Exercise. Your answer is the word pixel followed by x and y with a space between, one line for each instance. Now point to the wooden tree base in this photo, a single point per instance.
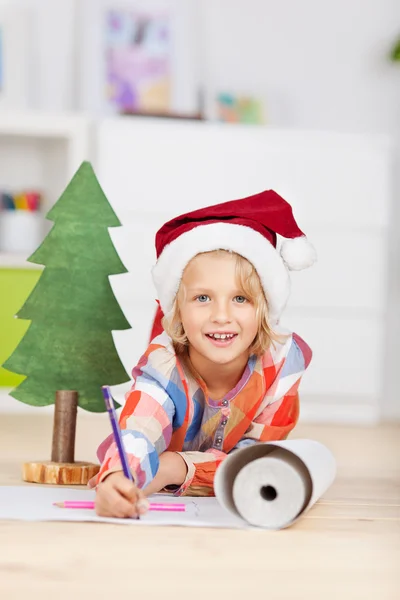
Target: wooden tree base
pixel 77 473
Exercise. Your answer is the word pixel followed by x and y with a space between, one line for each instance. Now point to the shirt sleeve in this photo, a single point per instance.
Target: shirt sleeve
pixel 146 423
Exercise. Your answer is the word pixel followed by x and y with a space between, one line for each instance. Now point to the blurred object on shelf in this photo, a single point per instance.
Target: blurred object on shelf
pixel 138 60
pixel 198 115
pixel 395 51
pixel 239 109
pixel 161 115
pixel 20 221
pixel 29 200
pixel 15 48
pixel 139 57
pixel 20 231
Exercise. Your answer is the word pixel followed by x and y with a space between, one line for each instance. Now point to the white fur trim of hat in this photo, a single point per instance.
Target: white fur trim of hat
pixel 297 253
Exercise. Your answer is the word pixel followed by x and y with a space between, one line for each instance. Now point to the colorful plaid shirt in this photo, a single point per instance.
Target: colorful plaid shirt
pixel 167 409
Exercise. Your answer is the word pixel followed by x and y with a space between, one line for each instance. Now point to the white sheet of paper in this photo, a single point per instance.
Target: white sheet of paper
pixel 31 503
pixel 297 487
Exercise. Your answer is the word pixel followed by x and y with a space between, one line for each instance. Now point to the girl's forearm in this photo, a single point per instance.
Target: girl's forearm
pixel 172 471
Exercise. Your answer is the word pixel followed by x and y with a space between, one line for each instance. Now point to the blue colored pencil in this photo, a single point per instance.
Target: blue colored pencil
pixel 108 399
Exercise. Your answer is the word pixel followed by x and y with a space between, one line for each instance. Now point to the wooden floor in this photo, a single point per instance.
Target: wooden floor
pixel 347 547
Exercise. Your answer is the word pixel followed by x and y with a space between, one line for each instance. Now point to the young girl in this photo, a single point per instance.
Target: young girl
pixel 220 373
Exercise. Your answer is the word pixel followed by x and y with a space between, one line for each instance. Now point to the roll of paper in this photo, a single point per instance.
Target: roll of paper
pixel 272 491
pixel 272 484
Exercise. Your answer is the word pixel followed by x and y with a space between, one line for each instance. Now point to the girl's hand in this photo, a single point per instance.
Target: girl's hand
pixel 117 496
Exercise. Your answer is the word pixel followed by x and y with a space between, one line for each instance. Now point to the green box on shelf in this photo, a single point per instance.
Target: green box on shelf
pixel 15 287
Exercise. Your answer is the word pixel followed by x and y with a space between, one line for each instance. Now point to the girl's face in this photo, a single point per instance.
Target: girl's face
pixel 219 321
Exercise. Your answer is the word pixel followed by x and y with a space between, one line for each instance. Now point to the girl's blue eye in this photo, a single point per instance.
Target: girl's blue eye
pixel 240 299
pixel 203 298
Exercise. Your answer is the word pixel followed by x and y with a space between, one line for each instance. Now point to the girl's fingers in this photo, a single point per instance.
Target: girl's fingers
pixel 127 489
pixel 142 505
pixel 119 497
pixel 92 482
pixel 142 502
pixel 112 504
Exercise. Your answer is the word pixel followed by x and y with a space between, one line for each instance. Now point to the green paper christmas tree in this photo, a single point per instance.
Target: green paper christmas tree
pixel 72 309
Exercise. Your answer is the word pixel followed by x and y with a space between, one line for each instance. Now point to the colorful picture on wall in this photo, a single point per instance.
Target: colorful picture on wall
pixel 138 61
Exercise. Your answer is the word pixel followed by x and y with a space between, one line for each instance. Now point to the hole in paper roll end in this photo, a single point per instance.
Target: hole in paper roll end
pixel 268 492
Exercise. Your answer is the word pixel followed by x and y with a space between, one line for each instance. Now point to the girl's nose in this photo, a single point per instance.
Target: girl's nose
pixel 221 313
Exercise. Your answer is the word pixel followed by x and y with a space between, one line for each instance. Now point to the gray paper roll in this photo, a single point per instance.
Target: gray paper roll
pixel 273 490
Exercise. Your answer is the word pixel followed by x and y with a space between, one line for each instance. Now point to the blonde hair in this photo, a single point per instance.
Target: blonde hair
pixel 250 283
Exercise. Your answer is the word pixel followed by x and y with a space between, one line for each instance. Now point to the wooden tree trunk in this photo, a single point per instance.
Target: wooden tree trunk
pixel 64 427
pixel 62 470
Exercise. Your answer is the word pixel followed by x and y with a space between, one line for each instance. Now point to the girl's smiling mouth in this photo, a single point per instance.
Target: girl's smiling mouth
pixel 221 339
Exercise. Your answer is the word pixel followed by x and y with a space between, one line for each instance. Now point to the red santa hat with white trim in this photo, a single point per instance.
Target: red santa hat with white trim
pixel 249 227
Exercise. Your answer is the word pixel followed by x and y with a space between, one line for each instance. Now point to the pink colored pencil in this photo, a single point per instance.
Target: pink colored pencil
pixel 154 506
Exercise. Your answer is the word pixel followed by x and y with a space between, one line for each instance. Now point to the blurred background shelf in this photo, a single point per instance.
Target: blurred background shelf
pixel 9 260
pixel 37 124
pixel 42 151
pixel 39 152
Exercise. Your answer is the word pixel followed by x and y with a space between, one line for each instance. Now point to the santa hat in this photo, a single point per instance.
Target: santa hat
pixel 248 227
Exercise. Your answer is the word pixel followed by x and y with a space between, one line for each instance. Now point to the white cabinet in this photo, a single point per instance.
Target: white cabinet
pixel 340 187
pixel 42 152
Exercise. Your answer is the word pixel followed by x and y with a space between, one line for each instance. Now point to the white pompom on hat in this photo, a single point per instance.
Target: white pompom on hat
pixel 248 227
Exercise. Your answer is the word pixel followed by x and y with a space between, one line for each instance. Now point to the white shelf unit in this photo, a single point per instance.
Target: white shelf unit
pixel 10 260
pixel 42 152
pixel 341 188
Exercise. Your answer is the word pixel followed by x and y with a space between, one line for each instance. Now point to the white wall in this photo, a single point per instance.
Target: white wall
pixel 52 54
pixel 318 64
